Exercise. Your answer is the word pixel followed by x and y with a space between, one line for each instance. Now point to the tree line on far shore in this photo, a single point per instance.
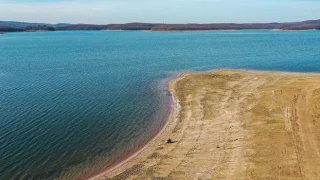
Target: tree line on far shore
pixel 7 26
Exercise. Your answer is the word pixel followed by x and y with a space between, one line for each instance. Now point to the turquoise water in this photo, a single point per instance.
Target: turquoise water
pixel 74 103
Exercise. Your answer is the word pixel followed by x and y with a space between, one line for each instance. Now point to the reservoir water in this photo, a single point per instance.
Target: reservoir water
pixel 74 103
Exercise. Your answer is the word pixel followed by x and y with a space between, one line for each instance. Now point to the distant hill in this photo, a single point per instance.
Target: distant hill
pixel 12 26
pixel 305 25
pixel 26 24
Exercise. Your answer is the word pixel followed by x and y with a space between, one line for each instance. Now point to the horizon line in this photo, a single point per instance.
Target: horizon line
pixel 141 22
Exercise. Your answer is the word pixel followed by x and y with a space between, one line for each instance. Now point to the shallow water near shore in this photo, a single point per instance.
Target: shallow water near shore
pixel 74 103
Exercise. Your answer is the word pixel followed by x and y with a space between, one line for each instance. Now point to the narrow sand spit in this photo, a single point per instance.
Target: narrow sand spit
pixel 235 125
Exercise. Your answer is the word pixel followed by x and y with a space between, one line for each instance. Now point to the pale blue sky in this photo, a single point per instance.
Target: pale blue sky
pixel 162 11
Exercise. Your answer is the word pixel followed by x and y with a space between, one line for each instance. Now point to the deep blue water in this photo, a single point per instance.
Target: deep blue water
pixel 72 103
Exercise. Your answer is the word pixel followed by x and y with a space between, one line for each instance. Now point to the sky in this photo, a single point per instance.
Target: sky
pixel 159 11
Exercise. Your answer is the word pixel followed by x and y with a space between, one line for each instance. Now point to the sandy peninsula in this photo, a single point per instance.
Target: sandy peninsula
pixel 233 125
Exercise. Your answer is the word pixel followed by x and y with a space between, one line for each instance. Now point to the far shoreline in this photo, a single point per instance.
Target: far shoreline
pixel 164 31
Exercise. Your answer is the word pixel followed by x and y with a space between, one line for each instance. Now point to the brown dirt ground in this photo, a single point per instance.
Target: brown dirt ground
pixel 235 125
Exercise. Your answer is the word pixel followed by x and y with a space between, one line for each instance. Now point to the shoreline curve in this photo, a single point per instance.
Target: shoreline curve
pixel 173 112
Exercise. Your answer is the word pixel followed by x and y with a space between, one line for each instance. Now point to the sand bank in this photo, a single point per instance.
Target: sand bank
pixel 234 125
